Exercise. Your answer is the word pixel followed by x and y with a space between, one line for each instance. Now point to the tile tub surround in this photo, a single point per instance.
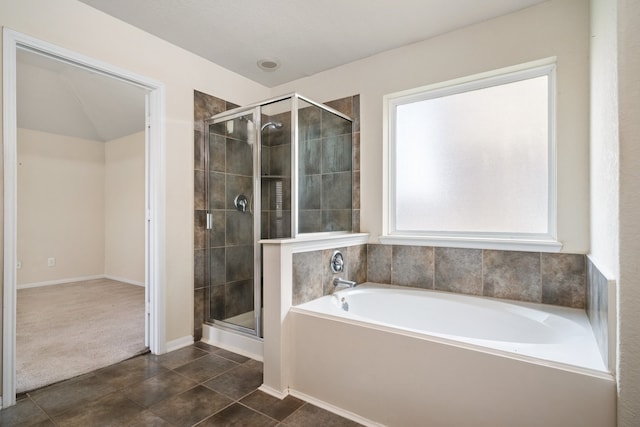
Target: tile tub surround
pixel 597 307
pixel 313 278
pixel 297 338
pixel 558 279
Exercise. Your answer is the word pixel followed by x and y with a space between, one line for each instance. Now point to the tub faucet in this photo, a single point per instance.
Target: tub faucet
pixel 339 282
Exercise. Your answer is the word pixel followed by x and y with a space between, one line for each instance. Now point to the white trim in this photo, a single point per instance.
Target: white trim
pixel 155 196
pixel 58 282
pixel 124 280
pixel 474 77
pixel 246 345
pixel 9 126
pixel 320 241
pixel 335 409
pixel 477 243
pixel 179 343
pixel 78 279
pixel 545 242
pixel 156 219
pixel 273 392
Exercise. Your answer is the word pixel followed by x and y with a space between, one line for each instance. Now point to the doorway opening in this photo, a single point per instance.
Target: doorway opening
pixel 151 216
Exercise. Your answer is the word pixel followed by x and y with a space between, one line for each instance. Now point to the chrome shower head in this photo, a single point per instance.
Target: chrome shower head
pixel 271 125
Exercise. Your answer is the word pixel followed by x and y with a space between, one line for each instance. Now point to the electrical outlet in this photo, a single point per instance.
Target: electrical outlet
pixel 51 262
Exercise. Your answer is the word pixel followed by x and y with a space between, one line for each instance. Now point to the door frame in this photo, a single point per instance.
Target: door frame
pixel 155 238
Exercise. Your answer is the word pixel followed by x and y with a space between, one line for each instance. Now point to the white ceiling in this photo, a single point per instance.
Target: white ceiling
pixel 59 98
pixel 304 36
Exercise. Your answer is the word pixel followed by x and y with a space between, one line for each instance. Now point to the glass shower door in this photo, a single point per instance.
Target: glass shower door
pixel 231 221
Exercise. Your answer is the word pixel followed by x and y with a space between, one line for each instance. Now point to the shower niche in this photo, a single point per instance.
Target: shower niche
pixel 279 169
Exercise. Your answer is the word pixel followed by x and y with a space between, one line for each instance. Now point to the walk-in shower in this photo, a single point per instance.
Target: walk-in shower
pixel 278 169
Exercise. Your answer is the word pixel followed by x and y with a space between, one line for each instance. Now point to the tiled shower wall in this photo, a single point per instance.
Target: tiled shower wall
pixel 325 171
pixel 558 279
pixel 325 142
pixel 204 106
pixel 351 107
pixel 276 178
pixel 231 241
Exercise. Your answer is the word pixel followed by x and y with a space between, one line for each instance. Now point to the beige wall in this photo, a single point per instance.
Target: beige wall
pixel 556 28
pixel 60 207
pixel 628 14
pixel 615 179
pixel 81 202
pixel 124 195
pixel 604 159
pixel 78 27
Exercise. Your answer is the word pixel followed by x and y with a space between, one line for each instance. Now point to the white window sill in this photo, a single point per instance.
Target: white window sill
pixel 518 244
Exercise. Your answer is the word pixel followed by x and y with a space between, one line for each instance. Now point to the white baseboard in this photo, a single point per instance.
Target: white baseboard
pixel 336 410
pixel 58 282
pixel 78 279
pixel 245 345
pixel 124 280
pixel 273 392
pixel 179 343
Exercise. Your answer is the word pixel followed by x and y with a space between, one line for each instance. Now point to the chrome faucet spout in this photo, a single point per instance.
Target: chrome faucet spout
pixel 339 282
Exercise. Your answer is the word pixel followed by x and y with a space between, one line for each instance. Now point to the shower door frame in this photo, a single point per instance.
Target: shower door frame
pixel 295 105
pixel 256 108
pixel 256 196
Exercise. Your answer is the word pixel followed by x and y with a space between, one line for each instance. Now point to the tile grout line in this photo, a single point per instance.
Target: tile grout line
pixel 133 375
pixel 49 416
pixel 234 401
pixel 291 414
pixel 259 412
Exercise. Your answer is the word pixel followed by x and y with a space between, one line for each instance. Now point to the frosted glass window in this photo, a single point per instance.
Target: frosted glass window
pixel 473 160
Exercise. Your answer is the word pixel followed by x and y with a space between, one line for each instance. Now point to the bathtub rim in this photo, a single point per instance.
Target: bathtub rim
pixel 448 341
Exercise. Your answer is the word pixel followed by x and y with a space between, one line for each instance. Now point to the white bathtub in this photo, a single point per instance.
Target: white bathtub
pixel 402 357
pixel 539 331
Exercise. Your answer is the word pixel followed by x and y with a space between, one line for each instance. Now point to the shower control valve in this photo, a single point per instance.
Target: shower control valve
pixel 337 262
pixel 241 202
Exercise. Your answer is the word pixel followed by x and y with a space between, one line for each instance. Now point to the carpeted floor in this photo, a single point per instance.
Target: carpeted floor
pixel 71 329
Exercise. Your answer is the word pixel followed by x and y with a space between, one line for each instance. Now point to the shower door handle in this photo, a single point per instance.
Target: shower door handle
pixel 209 221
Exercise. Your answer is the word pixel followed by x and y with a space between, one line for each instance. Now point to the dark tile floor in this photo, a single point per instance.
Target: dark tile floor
pixel 197 385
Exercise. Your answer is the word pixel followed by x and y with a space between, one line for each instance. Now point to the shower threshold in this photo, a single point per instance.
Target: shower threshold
pixel 221 335
pixel 246 320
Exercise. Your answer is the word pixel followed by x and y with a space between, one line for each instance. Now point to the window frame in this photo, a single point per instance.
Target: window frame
pixel 543 242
